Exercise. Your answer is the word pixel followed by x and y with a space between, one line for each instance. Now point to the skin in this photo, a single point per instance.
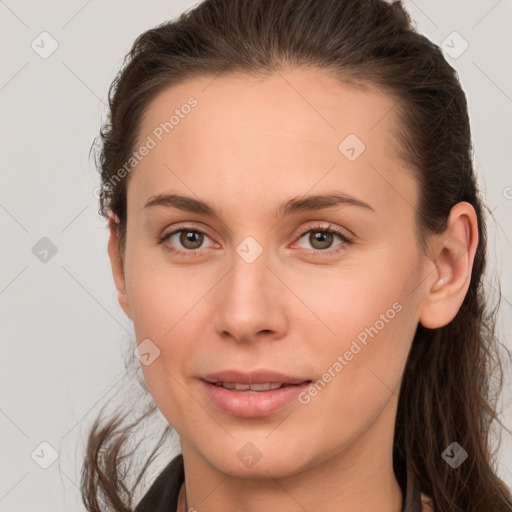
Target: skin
pixel 249 146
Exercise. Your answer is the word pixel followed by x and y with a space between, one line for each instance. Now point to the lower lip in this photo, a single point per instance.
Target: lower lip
pixel 252 405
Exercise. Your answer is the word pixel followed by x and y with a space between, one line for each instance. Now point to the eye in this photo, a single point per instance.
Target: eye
pixel 186 241
pixel 183 241
pixel 321 238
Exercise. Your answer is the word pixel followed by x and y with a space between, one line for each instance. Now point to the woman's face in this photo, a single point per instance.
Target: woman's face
pixel 257 283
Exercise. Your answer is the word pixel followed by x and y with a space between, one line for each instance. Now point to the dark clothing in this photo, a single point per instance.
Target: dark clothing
pixel 163 494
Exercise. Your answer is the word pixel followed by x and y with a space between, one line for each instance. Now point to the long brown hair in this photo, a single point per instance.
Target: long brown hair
pixel 364 43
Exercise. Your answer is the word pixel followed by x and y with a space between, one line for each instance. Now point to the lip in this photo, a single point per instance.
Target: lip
pixel 254 377
pixel 252 405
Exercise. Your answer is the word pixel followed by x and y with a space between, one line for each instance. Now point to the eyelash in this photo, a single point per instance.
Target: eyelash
pixel 346 240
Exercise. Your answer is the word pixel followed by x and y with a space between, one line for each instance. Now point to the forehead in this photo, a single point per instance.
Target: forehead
pixel 284 133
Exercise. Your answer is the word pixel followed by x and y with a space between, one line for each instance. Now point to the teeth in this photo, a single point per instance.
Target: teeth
pixel 263 387
pixel 249 387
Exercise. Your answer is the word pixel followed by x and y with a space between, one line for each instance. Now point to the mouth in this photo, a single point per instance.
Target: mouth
pixel 255 388
pixel 237 378
pixel 251 400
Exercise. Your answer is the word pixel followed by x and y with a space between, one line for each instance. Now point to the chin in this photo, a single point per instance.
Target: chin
pixel 257 460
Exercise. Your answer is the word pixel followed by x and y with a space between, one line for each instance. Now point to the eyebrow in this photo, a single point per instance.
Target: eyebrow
pixel 295 205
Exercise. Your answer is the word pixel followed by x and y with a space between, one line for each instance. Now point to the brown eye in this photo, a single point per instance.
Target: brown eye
pixel 186 241
pixel 321 239
pixel 190 239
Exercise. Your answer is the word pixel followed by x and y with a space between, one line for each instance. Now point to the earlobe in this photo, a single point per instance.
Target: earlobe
pixel 117 264
pixel 453 253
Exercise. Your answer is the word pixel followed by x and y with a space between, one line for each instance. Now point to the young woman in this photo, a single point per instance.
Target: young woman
pixel 297 235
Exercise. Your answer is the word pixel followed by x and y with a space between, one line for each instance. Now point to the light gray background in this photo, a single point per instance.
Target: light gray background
pixel 63 333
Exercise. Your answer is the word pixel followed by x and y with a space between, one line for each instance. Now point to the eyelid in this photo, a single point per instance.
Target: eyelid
pixel 188 226
pixel 329 228
pixel 191 226
pixel 318 225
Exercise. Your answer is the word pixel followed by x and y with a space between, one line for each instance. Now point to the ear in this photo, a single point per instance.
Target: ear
pixel 452 253
pixel 117 263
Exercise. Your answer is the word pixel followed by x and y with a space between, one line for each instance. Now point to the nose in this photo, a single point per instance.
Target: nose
pixel 250 302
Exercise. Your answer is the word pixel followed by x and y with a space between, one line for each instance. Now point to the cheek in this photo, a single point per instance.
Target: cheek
pixel 170 321
pixel 360 370
pixel 173 397
pixel 374 356
pixel 368 320
pixel 371 338
pixel 163 298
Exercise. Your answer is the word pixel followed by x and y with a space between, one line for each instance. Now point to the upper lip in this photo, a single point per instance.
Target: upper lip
pixel 254 377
